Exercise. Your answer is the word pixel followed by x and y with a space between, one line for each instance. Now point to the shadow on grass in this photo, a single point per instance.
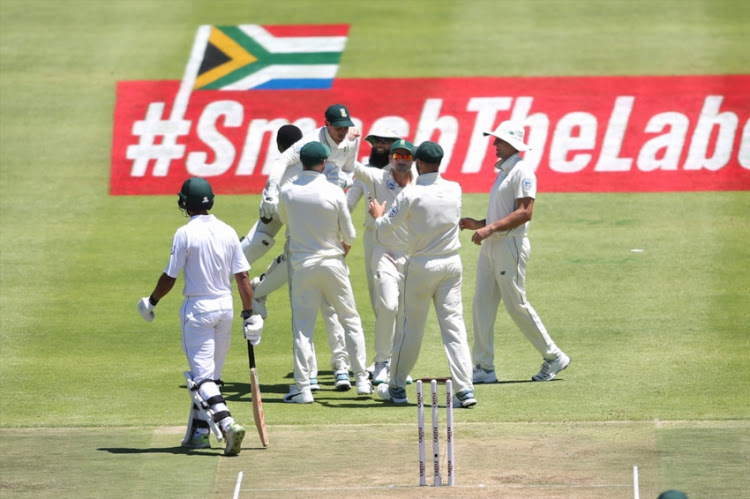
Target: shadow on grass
pixel 162 450
pixel 213 452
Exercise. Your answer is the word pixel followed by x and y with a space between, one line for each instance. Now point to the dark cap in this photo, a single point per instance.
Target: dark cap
pixel 429 152
pixel 313 153
pixel 288 135
pixel 403 144
pixel 672 494
pixel 338 115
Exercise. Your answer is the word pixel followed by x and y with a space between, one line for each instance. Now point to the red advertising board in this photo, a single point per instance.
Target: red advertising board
pixel 588 134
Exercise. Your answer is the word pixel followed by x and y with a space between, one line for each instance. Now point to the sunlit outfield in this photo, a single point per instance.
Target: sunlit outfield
pixel 657 335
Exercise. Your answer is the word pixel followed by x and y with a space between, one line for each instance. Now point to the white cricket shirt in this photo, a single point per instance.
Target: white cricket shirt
pixel 381 185
pixel 287 166
pixel 317 219
pixel 515 180
pixel 429 210
pixel 208 252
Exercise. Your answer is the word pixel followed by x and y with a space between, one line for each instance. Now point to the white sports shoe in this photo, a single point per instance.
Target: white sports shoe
pixel 297 396
pixel 234 436
pixel 197 441
pixel 259 304
pixel 395 395
pixel 342 381
pixel 464 398
pixel 481 375
pixel 380 373
pixel 550 368
pixel 364 387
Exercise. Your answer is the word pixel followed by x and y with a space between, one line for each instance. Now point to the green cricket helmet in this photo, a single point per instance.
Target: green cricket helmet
pixel 196 195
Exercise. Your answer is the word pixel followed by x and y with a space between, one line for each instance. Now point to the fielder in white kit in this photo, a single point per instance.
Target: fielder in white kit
pixel 385 256
pixel 501 269
pixel 208 253
pixel 379 160
pixel 320 233
pixel 339 169
pixel 429 210
pixel 276 275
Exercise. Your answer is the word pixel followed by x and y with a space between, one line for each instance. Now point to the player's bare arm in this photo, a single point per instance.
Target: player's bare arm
pixel 519 216
pixel 246 291
pixel 163 286
pixel 471 223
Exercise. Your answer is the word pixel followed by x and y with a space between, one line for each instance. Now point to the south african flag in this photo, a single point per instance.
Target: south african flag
pixel 251 56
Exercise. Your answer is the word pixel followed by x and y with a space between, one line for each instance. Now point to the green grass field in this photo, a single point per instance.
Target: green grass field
pixel 93 404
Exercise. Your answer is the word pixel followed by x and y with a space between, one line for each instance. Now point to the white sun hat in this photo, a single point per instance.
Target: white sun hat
pixel 512 133
pixel 383 132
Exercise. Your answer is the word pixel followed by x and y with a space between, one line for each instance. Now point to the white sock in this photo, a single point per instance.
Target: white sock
pixel 226 423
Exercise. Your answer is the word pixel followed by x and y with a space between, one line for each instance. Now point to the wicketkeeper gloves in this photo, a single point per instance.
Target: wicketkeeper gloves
pixel 253 327
pixel 146 309
pixel 269 205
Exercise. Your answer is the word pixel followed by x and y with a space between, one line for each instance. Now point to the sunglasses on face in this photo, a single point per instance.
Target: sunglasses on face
pixel 381 140
pixel 397 156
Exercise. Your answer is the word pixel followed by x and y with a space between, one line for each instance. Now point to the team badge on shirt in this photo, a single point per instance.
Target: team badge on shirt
pixel 391 184
pixel 527 184
pixel 393 212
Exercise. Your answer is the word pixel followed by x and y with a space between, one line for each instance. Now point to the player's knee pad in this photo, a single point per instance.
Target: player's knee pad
pixel 202 408
pixel 275 276
pixel 256 244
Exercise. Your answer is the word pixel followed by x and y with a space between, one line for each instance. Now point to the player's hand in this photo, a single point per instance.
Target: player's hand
pixel 376 209
pixel 252 327
pixel 480 235
pixel 146 309
pixel 354 132
pixel 269 204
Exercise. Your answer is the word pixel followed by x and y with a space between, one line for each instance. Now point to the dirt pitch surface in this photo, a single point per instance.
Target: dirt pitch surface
pixel 513 460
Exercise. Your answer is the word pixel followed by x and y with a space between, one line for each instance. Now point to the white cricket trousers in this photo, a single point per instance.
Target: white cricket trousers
pixel 501 275
pixel 436 279
pixel 206 336
pixel 369 243
pixel 327 281
pixel 276 276
pixel 388 283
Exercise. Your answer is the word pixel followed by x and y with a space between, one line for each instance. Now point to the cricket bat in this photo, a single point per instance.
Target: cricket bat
pixel 260 421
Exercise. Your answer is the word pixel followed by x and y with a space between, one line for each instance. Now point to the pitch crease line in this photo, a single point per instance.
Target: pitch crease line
pixel 237 486
pixel 480 486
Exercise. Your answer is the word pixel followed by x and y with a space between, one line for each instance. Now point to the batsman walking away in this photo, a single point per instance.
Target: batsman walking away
pixel 208 253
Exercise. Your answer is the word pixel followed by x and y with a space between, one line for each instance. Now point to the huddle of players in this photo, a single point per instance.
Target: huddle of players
pixel 411 249
pixel 411 254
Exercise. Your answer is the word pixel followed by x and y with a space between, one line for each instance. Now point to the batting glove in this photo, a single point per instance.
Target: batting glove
pixel 146 309
pixel 253 327
pixel 269 205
